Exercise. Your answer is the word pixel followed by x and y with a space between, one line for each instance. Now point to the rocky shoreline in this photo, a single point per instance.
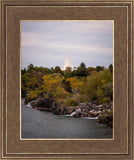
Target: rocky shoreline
pixel 104 112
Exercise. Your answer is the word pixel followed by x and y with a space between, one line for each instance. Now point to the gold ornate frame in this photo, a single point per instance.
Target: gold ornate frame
pixel 122 145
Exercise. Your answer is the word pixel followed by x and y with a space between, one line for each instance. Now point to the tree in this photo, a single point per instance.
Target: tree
pixel 30 67
pixel 81 71
pixel 99 68
pixel 23 71
pixel 66 85
pixel 99 86
pixel 68 69
pixel 52 70
pixel 83 65
pixel 75 82
pixel 57 69
pixel 110 68
pixel 29 82
pixel 74 73
pixel 67 74
pixel 108 90
pixel 90 70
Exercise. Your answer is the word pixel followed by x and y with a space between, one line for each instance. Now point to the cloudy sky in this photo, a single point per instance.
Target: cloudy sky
pixel 46 43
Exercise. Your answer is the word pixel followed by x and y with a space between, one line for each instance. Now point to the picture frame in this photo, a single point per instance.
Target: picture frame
pixel 122 144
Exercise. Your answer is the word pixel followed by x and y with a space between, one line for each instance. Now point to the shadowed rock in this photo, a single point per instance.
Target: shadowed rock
pixel 42 104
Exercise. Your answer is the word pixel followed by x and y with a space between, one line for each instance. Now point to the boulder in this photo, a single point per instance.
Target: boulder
pixel 58 109
pixel 95 114
pixel 70 109
pixel 77 114
pixel 42 104
pixel 106 118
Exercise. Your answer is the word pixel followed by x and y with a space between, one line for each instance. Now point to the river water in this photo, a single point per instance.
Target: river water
pixel 42 124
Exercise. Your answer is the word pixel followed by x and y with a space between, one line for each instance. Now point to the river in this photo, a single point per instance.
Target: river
pixel 42 124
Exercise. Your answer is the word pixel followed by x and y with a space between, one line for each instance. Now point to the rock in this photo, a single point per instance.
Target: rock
pixel 109 117
pixel 25 103
pixel 42 104
pixel 70 109
pixel 77 114
pixel 57 109
pixel 110 124
pixel 106 118
pixel 90 109
pixel 95 114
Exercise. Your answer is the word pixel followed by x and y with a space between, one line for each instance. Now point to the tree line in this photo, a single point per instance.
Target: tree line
pixel 68 87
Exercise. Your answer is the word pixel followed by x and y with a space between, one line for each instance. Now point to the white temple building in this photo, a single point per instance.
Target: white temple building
pixel 68 62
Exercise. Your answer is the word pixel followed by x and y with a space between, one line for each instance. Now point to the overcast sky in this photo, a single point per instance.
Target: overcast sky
pixel 46 43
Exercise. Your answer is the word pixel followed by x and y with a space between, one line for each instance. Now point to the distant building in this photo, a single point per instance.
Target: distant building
pixel 68 63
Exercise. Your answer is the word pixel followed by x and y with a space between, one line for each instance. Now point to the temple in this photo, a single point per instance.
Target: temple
pixel 68 63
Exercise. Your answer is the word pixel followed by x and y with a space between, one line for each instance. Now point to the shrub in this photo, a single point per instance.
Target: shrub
pixel 106 99
pixel 71 102
pixel 67 74
pixel 32 96
pixel 82 98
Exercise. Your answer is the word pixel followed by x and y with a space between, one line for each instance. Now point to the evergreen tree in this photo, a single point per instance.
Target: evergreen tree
pixel 57 69
pixel 30 67
pixel 99 68
pixel 82 71
pixel 110 68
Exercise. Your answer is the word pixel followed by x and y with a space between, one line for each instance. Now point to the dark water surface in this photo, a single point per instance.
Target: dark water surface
pixel 42 124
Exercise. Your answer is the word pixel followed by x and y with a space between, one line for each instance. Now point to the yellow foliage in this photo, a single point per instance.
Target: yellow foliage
pixel 33 94
pixel 52 82
pixel 60 92
pixel 75 82
pixel 103 81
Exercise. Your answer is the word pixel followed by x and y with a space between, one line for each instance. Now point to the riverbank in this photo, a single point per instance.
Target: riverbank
pixel 103 113
pixel 42 124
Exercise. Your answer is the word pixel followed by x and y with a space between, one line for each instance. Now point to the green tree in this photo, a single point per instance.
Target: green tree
pixel 57 69
pixel 83 65
pixel 99 68
pixel 66 85
pixel 82 71
pixel 108 89
pixel 67 74
pixel 23 71
pixel 30 67
pixel 74 73
pixel 52 70
pixel 98 86
pixel 110 68
pixel 29 82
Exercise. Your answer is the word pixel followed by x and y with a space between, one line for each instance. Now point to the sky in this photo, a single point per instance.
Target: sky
pixel 46 43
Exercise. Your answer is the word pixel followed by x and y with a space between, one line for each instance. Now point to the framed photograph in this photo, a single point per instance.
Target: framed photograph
pixel 67 79
pixel 79 90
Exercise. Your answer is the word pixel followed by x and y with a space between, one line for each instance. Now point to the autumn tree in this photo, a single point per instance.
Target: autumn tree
pixel 90 70
pixel 75 83
pixel 29 82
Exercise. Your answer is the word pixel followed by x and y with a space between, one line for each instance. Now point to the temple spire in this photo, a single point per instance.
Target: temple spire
pixel 68 62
